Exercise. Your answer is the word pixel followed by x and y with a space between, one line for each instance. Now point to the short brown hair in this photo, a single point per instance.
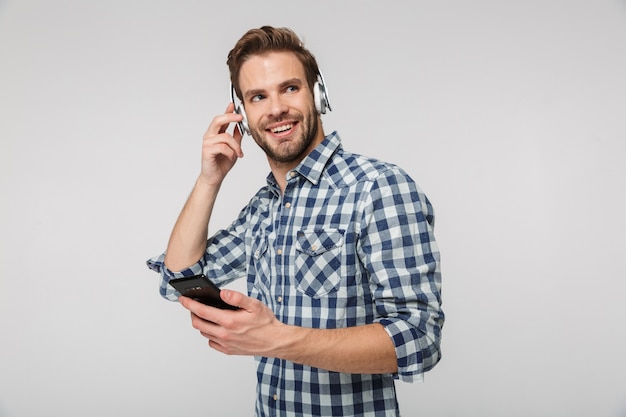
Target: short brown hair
pixel 269 39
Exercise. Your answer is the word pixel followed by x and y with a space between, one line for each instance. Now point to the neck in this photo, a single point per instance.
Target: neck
pixel 281 169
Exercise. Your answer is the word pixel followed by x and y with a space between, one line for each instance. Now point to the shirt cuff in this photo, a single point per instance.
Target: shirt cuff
pixel 168 292
pixel 405 338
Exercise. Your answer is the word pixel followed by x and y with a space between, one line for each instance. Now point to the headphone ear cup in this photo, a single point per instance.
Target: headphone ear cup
pixel 317 98
pixel 243 125
pixel 320 95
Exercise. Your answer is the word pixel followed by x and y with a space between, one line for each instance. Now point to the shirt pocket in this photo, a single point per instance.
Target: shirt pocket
pixel 319 261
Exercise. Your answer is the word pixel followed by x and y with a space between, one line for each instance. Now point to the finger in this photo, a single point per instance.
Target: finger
pixel 230 108
pixel 206 318
pixel 198 309
pixel 223 144
pixel 213 344
pixel 220 123
pixel 225 120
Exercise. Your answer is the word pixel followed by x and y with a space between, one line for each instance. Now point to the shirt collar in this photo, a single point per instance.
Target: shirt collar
pixel 312 166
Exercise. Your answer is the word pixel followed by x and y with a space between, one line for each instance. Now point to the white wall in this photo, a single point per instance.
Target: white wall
pixel 509 114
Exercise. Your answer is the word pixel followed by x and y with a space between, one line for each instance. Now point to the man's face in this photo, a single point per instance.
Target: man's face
pixel 279 107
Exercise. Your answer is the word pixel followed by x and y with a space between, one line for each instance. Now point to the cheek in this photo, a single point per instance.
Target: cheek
pixel 254 114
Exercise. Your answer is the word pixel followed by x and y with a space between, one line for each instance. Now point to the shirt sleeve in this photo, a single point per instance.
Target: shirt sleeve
pixel 223 261
pixel 398 248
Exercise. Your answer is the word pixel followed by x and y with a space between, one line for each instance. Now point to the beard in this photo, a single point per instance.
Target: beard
pixel 294 149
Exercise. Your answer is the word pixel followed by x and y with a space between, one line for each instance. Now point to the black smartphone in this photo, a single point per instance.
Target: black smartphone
pixel 201 289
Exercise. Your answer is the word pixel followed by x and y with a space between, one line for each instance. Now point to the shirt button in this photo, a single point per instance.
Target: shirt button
pixel 313 248
pixel 275 397
pixel 287 204
pixel 292 174
pixel 279 251
pixel 279 299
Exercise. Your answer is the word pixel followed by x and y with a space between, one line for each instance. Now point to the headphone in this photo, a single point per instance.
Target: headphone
pixel 320 97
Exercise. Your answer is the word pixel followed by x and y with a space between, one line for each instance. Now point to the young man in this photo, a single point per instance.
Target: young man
pixel 338 249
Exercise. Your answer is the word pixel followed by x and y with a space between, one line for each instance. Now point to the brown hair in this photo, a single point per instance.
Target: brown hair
pixel 269 39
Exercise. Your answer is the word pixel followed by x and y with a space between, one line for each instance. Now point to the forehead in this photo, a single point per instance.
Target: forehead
pixel 267 70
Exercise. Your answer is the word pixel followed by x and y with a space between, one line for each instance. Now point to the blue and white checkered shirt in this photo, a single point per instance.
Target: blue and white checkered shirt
pixel 350 242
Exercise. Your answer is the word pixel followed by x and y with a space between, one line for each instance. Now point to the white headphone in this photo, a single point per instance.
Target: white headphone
pixel 320 97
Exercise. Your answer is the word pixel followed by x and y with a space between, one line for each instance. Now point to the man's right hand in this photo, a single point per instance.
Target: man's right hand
pixel 220 149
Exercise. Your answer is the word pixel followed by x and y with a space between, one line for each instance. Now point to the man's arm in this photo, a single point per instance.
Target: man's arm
pixel 220 151
pixel 398 248
pixel 188 238
pixel 363 349
pixel 254 330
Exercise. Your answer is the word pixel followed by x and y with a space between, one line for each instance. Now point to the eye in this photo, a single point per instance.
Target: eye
pixel 292 89
pixel 256 98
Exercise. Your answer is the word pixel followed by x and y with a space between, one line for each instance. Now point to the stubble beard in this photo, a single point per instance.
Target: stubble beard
pixel 295 148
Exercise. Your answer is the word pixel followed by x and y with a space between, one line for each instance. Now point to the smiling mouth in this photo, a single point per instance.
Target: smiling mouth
pixel 282 129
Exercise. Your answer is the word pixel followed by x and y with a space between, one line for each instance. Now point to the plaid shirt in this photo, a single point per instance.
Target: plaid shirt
pixel 350 242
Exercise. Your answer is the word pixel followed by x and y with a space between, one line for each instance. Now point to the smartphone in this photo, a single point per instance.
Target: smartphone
pixel 201 289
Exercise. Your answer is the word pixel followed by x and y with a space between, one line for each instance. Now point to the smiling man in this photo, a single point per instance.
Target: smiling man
pixel 342 268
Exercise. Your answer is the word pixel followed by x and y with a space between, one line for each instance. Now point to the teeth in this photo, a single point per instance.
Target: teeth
pixel 282 128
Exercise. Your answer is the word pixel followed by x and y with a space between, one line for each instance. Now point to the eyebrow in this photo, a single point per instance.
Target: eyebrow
pixel 292 81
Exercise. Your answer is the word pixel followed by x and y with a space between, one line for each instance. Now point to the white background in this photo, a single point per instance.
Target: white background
pixel 509 114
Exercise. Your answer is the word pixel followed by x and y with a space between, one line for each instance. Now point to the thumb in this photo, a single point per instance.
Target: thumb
pixel 235 298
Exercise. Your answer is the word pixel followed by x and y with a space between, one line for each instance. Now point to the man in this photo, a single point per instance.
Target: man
pixel 341 263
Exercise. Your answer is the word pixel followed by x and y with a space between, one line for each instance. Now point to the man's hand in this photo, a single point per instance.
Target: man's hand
pixel 251 330
pixel 220 149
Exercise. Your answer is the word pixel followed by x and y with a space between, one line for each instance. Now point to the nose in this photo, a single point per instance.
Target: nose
pixel 277 107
